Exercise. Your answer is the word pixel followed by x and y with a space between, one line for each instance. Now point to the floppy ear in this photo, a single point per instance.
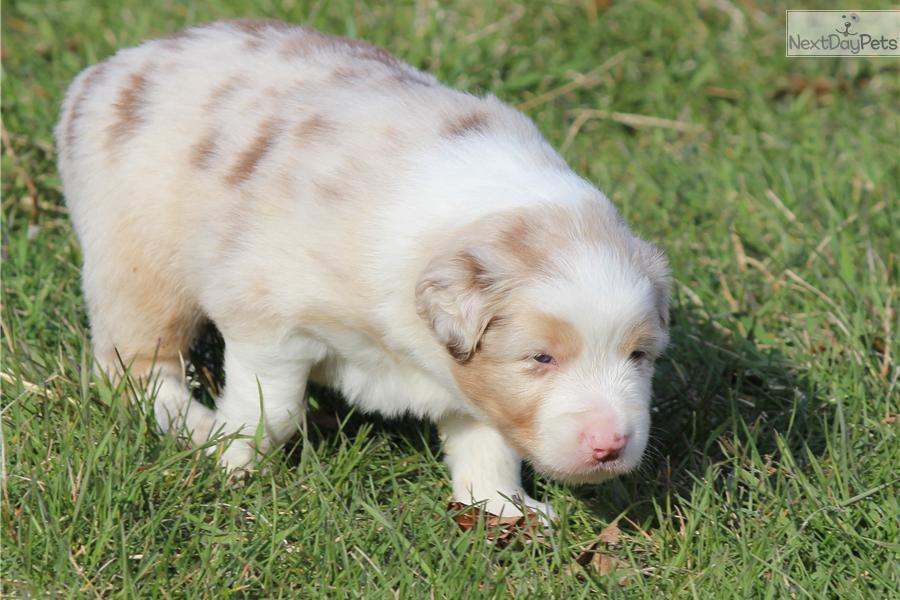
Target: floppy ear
pixel 457 295
pixel 656 266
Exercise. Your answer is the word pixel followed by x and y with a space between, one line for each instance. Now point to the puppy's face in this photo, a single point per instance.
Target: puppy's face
pixel 558 347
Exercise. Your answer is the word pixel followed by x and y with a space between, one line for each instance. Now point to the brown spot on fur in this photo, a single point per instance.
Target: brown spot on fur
pixel 559 338
pixel 534 237
pixel 313 127
pixel 253 44
pixel 204 150
pixel 259 27
pixel 367 51
pixel 301 44
pixel 519 240
pixel 408 76
pixel 307 40
pixel 328 190
pixel 468 124
pixel 646 336
pixel 348 74
pixel 90 80
pixel 223 92
pixel 131 101
pixel 176 40
pixel 260 31
pixel 249 159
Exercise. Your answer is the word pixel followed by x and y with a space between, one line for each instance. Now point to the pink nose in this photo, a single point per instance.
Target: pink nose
pixel 606 447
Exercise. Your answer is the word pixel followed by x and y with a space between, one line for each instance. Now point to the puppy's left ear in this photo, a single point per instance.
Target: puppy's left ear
pixel 656 266
pixel 457 295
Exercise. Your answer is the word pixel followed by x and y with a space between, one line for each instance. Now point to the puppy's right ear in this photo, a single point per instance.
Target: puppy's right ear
pixel 457 295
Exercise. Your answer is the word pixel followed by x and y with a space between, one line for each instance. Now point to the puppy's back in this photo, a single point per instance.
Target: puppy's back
pixel 184 153
pixel 200 95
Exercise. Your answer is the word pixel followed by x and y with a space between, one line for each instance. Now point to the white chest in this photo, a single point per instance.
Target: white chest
pixel 377 380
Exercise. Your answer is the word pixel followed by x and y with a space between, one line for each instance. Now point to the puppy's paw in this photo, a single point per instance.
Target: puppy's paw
pixel 178 413
pixel 543 509
pixel 519 505
pixel 238 458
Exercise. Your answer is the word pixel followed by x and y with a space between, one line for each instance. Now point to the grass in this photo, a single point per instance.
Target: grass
pixel 772 183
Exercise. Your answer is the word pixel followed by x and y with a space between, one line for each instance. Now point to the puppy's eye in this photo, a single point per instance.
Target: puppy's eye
pixel 544 359
pixel 637 356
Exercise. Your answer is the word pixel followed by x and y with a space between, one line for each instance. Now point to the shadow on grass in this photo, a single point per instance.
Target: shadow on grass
pixel 718 397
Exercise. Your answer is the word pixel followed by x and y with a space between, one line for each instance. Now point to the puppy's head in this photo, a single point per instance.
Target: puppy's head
pixel 553 318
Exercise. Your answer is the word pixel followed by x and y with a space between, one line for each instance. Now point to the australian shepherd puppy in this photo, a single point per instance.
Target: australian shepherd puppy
pixel 345 219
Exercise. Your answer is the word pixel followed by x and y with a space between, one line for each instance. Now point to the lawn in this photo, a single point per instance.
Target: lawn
pixel 772 183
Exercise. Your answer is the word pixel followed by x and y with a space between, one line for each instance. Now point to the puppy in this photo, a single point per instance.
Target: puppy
pixel 346 219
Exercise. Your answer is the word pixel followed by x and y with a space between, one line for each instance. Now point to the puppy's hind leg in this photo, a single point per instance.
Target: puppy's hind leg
pixel 176 409
pixel 142 323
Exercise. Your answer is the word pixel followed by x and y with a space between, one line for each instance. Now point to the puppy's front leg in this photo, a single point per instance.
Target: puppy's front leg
pixel 263 398
pixel 484 469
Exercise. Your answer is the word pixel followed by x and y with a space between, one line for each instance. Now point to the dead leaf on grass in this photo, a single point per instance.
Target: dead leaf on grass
pixel 499 530
pixel 610 534
pixel 596 555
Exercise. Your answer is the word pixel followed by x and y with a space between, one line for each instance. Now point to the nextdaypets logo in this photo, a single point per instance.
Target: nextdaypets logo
pixel 848 23
pixel 843 33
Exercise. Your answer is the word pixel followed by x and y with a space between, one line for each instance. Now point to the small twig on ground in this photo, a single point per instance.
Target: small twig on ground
pixel 780 206
pixel 629 119
pixel 733 305
pixel 581 80
pixel 517 13
pixel 29 387
pixel 739 252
